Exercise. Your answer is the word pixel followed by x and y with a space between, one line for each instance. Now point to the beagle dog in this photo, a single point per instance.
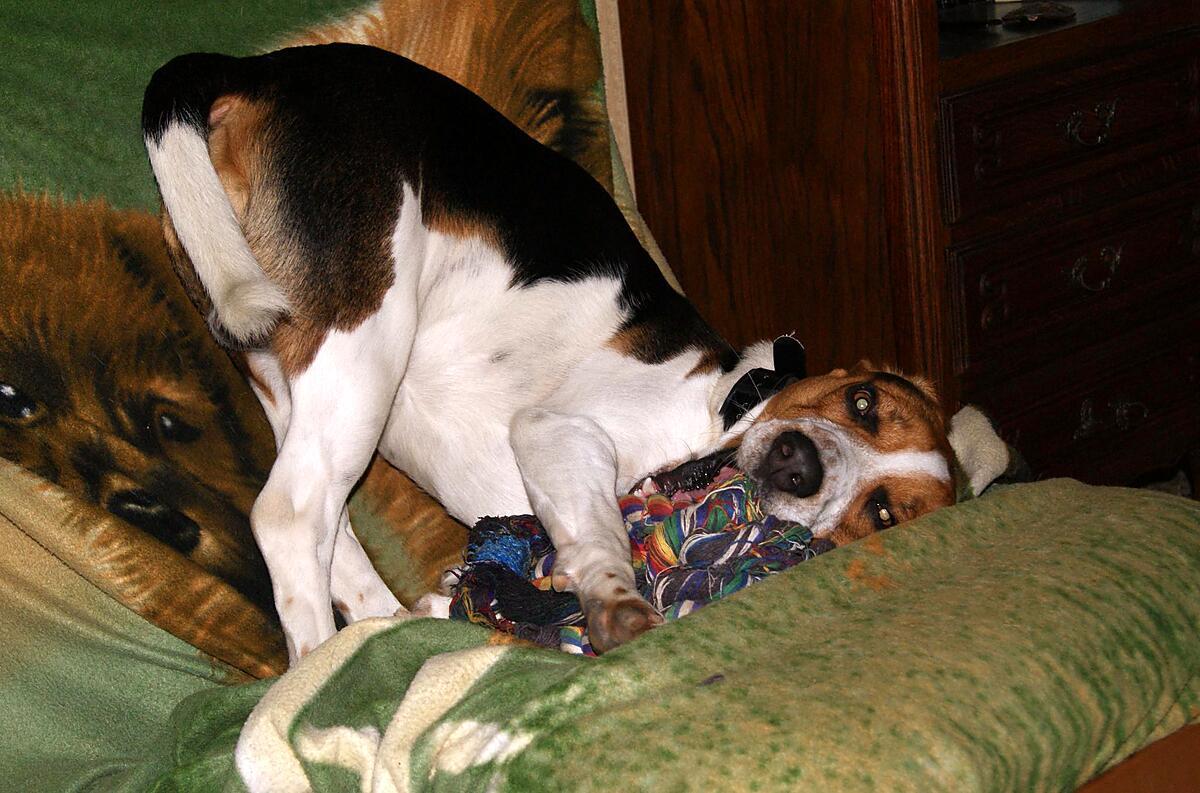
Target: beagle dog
pixel 406 270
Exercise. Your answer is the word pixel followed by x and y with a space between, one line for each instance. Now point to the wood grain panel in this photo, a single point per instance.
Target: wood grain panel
pixel 756 149
pixel 1171 765
pixel 1110 412
pixel 906 51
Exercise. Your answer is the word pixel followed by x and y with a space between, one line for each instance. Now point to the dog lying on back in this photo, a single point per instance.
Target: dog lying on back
pixel 408 271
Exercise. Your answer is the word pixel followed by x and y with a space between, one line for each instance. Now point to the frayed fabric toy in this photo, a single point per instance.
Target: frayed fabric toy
pixel 696 534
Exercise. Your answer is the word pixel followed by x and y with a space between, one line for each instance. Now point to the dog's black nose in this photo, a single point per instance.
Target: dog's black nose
pixel 151 515
pixel 793 465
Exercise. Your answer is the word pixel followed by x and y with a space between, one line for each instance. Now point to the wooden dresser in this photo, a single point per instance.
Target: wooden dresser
pixel 1015 213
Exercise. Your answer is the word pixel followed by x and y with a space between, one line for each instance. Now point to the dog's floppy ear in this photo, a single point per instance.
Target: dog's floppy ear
pixel 981 454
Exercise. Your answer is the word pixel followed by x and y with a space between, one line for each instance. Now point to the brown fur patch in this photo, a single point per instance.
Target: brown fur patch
pixel 629 341
pixel 912 496
pixel 458 225
pixel 710 361
pixel 639 342
pixel 908 497
pixel 295 343
pixel 854 526
pixel 235 146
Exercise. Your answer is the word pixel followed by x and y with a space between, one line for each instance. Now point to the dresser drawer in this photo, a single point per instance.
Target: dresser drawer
pixel 1110 412
pixel 1003 144
pixel 1028 298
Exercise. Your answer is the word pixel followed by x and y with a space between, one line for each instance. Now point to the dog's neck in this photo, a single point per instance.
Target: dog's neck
pixel 755 356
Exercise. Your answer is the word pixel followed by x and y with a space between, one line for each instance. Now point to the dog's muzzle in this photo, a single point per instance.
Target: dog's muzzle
pixel 806 467
pixel 793 465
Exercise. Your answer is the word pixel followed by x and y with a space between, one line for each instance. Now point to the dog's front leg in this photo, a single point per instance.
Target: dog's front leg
pixel 569 466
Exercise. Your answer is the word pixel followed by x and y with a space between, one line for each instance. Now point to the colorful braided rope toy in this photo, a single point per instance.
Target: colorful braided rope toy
pixel 696 534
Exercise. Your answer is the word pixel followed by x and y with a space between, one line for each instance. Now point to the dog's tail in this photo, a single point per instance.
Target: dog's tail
pixel 176 125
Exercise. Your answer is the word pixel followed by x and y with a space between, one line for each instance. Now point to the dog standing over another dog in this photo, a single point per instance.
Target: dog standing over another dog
pixel 408 271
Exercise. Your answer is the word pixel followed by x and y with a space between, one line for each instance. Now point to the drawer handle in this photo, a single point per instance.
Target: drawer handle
pixel 1104 112
pixel 1127 415
pixel 1110 260
pixel 1089 425
pixel 1123 415
pixel 995 302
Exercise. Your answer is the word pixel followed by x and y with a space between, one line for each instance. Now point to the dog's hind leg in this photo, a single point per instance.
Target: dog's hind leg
pixel 271 387
pixel 358 591
pixel 339 405
pixel 356 588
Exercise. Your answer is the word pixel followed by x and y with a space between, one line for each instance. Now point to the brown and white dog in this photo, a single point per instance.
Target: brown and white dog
pixel 408 271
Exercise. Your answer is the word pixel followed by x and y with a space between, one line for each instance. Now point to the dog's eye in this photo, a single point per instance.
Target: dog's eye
pixel 176 429
pixel 18 408
pixel 862 400
pixel 879 510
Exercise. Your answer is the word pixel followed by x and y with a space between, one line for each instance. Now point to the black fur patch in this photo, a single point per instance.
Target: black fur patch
pixel 353 123
pixel 902 382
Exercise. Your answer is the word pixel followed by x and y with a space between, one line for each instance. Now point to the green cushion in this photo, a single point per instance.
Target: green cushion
pixel 1023 641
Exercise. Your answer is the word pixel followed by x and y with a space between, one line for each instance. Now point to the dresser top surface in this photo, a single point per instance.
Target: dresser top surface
pixel 956 41
pixel 1101 29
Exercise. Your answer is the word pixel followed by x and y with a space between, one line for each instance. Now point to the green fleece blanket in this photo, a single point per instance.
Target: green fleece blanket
pixel 1020 642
